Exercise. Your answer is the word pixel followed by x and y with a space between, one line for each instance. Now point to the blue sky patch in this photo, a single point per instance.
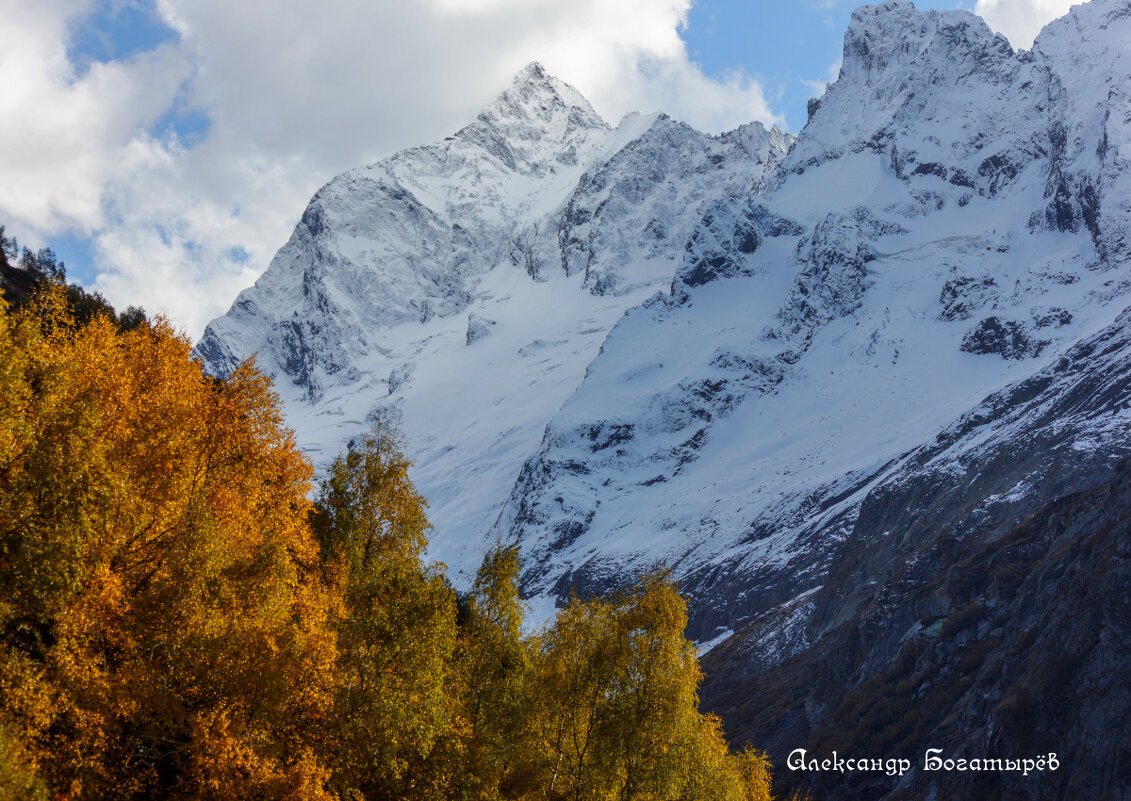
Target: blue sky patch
pixel 190 126
pixel 782 45
pixel 239 255
pixel 74 251
pixel 116 30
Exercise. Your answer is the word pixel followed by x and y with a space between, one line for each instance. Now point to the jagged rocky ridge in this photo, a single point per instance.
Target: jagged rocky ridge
pixel 816 334
pixel 539 181
pixel 469 282
pixel 833 374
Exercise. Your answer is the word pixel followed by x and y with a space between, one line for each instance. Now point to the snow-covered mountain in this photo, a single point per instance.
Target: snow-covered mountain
pixel 952 219
pixel 468 284
pixel 790 370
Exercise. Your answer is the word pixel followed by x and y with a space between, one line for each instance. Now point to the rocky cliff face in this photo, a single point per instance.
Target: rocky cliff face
pixel 865 392
pixel 903 267
pixel 468 283
pixel 977 604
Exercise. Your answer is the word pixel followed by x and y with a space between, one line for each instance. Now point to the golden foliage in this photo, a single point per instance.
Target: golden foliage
pixel 179 621
pixel 160 600
pixel 393 713
pixel 495 683
pixel 18 776
pixel 617 706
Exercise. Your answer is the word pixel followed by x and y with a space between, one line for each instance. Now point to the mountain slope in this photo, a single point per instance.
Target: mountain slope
pixel 468 283
pixel 981 593
pixel 865 392
pixel 900 271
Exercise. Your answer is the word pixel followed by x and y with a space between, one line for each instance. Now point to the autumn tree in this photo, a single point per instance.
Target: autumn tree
pixel 19 779
pixel 164 631
pixel 394 723
pixel 617 705
pixel 496 672
pixel 179 621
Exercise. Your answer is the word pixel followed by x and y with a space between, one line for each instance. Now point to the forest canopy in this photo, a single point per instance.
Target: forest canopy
pixel 179 620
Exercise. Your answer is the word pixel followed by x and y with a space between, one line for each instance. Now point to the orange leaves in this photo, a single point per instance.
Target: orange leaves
pixel 156 565
pixel 178 621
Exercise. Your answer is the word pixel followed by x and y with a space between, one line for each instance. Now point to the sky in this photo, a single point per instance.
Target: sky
pixel 165 149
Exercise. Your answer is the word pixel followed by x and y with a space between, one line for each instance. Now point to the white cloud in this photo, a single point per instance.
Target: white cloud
pixel 61 132
pixel 1021 20
pixel 296 92
pixel 818 87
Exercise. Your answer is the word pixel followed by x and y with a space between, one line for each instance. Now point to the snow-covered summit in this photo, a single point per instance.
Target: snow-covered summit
pixel 618 346
pixel 958 113
pixel 937 91
pixel 952 218
pixel 538 117
pixel 470 281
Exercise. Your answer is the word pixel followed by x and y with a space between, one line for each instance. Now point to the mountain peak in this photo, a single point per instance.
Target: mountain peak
pixel 533 72
pixel 890 36
pixel 899 61
pixel 535 96
pixel 1104 23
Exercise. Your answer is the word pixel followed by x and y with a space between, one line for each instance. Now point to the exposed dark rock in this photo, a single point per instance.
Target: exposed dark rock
pixel 399 376
pixel 961 297
pixel 979 605
pixel 833 280
pixel 1054 317
pixel 566 531
pixel 812 106
pixel 606 435
pixel 478 327
pixel 588 580
pixel 959 178
pixel 1007 338
pixel 729 231
pixel 1004 642
pixel 996 172
pixel 930 168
